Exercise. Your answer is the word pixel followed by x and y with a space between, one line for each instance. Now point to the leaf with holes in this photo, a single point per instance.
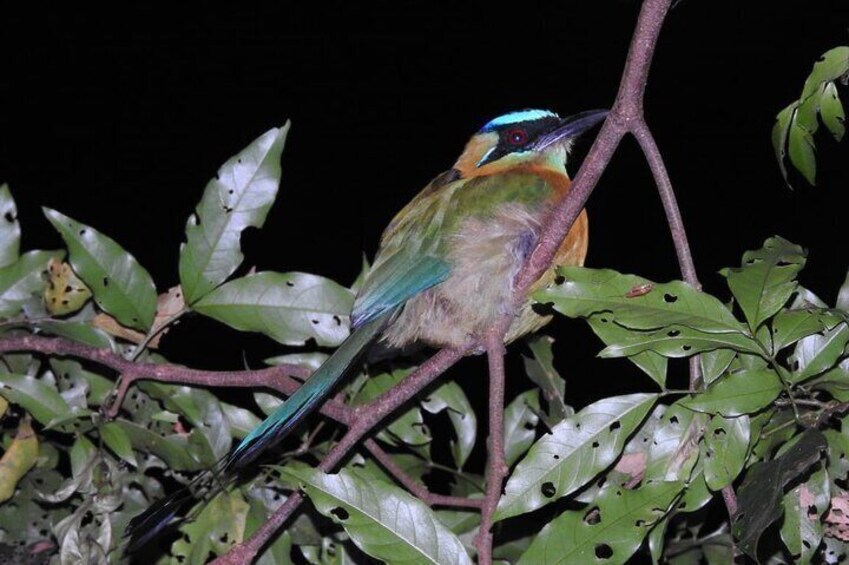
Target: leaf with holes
pixel 239 197
pixel 804 505
pixel 585 292
pixel 520 423
pixel 832 112
pixel 789 326
pixel 766 279
pixel 674 445
pixel 832 65
pixel 10 228
pixel 678 341
pixel 609 332
pixel 724 450
pixel 610 531
pixel 451 398
pixel 540 369
pixel 121 286
pixel 23 278
pixel 201 408
pixel 816 353
pixel 759 496
pixel 575 451
pixel 64 292
pixel 287 307
pixel 215 530
pixel 382 520
pixel 742 392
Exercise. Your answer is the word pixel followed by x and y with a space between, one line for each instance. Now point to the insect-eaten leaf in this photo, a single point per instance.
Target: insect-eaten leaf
pixel 766 279
pixel 64 292
pixel 383 520
pixel 239 197
pixel 575 451
pixel 121 286
pixel 288 307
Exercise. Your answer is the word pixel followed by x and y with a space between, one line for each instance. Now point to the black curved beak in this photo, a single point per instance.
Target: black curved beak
pixel 570 127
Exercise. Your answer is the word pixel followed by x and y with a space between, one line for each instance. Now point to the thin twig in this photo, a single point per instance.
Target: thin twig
pixel 496 468
pixel 416 488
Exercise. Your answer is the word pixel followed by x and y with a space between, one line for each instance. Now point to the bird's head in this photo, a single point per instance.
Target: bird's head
pixel 522 139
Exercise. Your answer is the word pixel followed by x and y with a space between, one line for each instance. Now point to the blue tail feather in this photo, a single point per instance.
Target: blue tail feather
pixel 164 512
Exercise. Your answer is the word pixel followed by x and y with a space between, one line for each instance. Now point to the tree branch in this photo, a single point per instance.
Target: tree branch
pixel 497 464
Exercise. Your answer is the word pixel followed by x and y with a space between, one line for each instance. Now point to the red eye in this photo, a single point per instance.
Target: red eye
pixel 517 136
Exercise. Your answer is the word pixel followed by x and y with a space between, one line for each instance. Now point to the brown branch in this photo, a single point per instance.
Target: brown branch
pixel 497 463
pixel 412 485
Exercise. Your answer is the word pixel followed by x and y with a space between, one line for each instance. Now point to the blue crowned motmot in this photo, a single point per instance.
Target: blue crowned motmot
pixel 442 275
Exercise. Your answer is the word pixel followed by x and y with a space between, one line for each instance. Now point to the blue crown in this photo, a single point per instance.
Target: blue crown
pixel 518 117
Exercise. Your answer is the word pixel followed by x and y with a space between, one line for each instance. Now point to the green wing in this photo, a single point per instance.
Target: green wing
pixel 410 258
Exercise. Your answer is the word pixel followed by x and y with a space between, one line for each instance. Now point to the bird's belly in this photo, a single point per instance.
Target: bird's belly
pixel 485 255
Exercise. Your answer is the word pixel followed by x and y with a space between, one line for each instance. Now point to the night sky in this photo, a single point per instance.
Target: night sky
pixel 120 120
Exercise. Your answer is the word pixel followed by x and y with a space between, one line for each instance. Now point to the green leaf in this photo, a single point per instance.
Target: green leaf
pixel 715 363
pixel 409 427
pixel 831 111
pixel 724 451
pixel 833 64
pixel 575 451
pixel 609 332
pixel 803 506
pixel 239 196
pixel 591 291
pixel 780 131
pixel 241 421
pixel 121 286
pixel 117 440
pixel 77 331
pixel 201 408
pixel 172 449
pixel 540 369
pixel 816 353
pixel 382 520
pixel 802 152
pixel 216 529
pixel 678 341
pixel 611 530
pixel 451 397
pixel 520 422
pixel 34 395
pixel 20 280
pixel 759 496
pixel 288 307
pixel 674 446
pixel 789 326
pixel 741 392
pixel 766 279
pixel 10 228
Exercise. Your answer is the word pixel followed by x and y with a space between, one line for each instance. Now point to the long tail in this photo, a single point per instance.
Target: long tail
pixel 166 511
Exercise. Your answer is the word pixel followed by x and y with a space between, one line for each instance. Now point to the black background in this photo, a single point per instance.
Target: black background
pixel 119 120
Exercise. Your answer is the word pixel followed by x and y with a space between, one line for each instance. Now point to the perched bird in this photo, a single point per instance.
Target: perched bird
pixel 443 273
